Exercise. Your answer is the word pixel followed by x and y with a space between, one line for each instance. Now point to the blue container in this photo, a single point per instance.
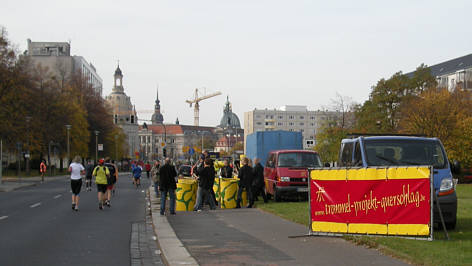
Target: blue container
pixel 259 144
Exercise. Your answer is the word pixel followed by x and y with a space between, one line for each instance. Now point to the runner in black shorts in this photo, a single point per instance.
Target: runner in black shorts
pixel 76 169
pixel 101 174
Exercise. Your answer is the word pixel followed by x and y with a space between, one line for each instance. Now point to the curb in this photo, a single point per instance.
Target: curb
pixel 13 188
pixel 173 252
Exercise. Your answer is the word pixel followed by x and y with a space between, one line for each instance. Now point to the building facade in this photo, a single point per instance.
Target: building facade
pixel 453 73
pixel 288 118
pixel 124 113
pixel 55 56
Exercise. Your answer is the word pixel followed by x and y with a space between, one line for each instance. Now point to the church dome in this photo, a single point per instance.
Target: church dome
pixel 157 118
pixel 229 118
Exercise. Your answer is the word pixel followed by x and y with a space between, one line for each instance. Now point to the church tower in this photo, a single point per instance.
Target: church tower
pixel 157 117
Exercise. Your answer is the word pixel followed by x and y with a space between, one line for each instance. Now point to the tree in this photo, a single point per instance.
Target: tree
pixel 328 141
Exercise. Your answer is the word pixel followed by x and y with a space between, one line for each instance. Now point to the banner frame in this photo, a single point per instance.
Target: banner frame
pixel 431 226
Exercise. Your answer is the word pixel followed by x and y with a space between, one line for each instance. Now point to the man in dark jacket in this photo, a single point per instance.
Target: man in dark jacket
pixel 167 183
pixel 206 178
pixel 245 182
pixel 258 183
pixel 226 171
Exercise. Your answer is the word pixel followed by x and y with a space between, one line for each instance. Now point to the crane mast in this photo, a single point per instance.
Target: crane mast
pixel 196 102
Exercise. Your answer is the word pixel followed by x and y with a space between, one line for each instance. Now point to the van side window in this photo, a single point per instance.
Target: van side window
pixel 270 161
pixel 346 154
pixel 357 155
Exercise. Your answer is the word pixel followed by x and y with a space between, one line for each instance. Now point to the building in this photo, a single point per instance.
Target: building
pixel 453 73
pixel 124 113
pixel 289 118
pixel 61 65
pixel 184 142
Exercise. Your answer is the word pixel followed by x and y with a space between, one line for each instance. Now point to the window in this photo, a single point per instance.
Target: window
pixel 280 124
pixel 302 124
pixel 312 124
pixel 271 161
pixel 302 117
pixel 312 117
pixel 258 123
pixel 281 117
pixel 290 124
pixel 290 117
pixel 357 155
pixel 302 130
pixel 346 154
pixel 267 116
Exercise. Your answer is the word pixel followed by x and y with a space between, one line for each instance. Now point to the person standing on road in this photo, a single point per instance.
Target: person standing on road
pixel 167 184
pixel 88 175
pixel 76 169
pixel 147 166
pixel 101 173
pixel 155 175
pixel 258 183
pixel 137 170
pixel 245 182
pixel 206 179
pixel 42 169
pixel 111 180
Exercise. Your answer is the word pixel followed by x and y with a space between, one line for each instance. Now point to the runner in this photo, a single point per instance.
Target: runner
pixel 76 169
pixel 116 177
pixel 147 166
pixel 42 169
pixel 88 175
pixel 111 180
pixel 101 173
pixel 137 175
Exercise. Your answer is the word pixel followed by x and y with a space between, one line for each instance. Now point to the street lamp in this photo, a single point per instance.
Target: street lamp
pixel 116 148
pixel 27 155
pixel 68 127
pixel 96 146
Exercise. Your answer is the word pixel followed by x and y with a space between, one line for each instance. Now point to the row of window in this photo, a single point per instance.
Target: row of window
pixel 147 139
pixel 281 124
pixel 282 117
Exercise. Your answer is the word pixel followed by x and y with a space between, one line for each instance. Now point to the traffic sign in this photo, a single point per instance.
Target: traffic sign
pixel 163 144
pixel 100 147
pixel 191 151
pixel 185 149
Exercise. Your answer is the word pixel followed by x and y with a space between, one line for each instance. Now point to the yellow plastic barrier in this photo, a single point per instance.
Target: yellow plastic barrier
pixel 228 193
pixel 186 194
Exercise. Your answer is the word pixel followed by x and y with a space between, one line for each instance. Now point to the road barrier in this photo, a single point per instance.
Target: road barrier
pixel 185 194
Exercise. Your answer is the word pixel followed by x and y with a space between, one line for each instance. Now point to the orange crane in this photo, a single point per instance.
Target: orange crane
pixel 196 101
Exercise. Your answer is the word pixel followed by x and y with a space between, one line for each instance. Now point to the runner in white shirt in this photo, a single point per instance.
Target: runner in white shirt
pixel 76 169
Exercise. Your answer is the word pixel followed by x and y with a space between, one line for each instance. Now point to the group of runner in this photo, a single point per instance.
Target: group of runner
pixel 106 176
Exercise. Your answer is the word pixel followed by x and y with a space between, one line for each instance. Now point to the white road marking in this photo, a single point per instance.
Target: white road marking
pixel 3 217
pixel 35 205
pixel 57 196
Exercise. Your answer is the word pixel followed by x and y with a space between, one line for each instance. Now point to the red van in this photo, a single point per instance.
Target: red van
pixel 286 172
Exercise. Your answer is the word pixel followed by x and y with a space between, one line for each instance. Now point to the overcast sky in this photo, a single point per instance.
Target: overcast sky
pixel 263 54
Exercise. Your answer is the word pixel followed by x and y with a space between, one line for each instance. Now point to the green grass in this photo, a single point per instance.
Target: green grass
pixel 457 251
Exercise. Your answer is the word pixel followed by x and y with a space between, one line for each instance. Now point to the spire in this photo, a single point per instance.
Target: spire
pixel 157 117
pixel 227 105
pixel 157 106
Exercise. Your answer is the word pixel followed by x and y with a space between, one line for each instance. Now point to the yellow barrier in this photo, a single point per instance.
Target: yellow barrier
pixel 228 192
pixel 186 194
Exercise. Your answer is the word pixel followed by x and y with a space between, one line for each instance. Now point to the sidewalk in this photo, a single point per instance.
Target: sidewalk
pixel 13 183
pixel 252 237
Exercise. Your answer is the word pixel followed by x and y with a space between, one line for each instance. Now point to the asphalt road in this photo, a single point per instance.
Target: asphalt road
pixel 38 227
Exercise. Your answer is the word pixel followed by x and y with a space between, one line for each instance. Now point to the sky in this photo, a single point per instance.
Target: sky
pixel 260 53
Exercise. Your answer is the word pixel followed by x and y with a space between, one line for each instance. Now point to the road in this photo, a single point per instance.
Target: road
pixel 38 227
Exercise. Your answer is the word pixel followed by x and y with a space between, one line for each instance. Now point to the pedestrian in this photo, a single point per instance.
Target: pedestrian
pixel 111 180
pixel 42 169
pixel 167 184
pixel 258 182
pixel 116 176
pixel 245 182
pixel 147 166
pixel 206 178
pixel 101 174
pixel 226 171
pixel 76 169
pixel 155 175
pixel 137 175
pixel 88 175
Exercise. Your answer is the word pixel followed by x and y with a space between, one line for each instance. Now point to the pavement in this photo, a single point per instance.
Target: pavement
pixel 251 237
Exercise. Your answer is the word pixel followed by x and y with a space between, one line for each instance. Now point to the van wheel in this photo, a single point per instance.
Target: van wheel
pixel 277 196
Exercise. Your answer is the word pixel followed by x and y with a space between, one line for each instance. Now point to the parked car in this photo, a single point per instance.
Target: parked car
pixel 185 170
pixel 286 172
pixel 406 150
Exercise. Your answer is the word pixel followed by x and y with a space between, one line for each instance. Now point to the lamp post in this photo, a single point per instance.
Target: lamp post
pixel 27 155
pixel 68 127
pixel 116 148
pixel 96 146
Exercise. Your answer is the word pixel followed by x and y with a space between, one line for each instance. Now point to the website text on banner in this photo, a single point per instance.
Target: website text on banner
pixel 383 201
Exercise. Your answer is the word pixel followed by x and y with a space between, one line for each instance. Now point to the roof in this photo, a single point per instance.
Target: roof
pixel 287 151
pixel 448 67
pixel 389 138
pixel 176 129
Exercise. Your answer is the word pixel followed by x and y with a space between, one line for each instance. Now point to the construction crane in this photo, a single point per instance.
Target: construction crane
pixel 196 101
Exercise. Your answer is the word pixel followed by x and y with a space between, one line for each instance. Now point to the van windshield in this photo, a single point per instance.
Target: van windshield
pixel 299 159
pixel 405 152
